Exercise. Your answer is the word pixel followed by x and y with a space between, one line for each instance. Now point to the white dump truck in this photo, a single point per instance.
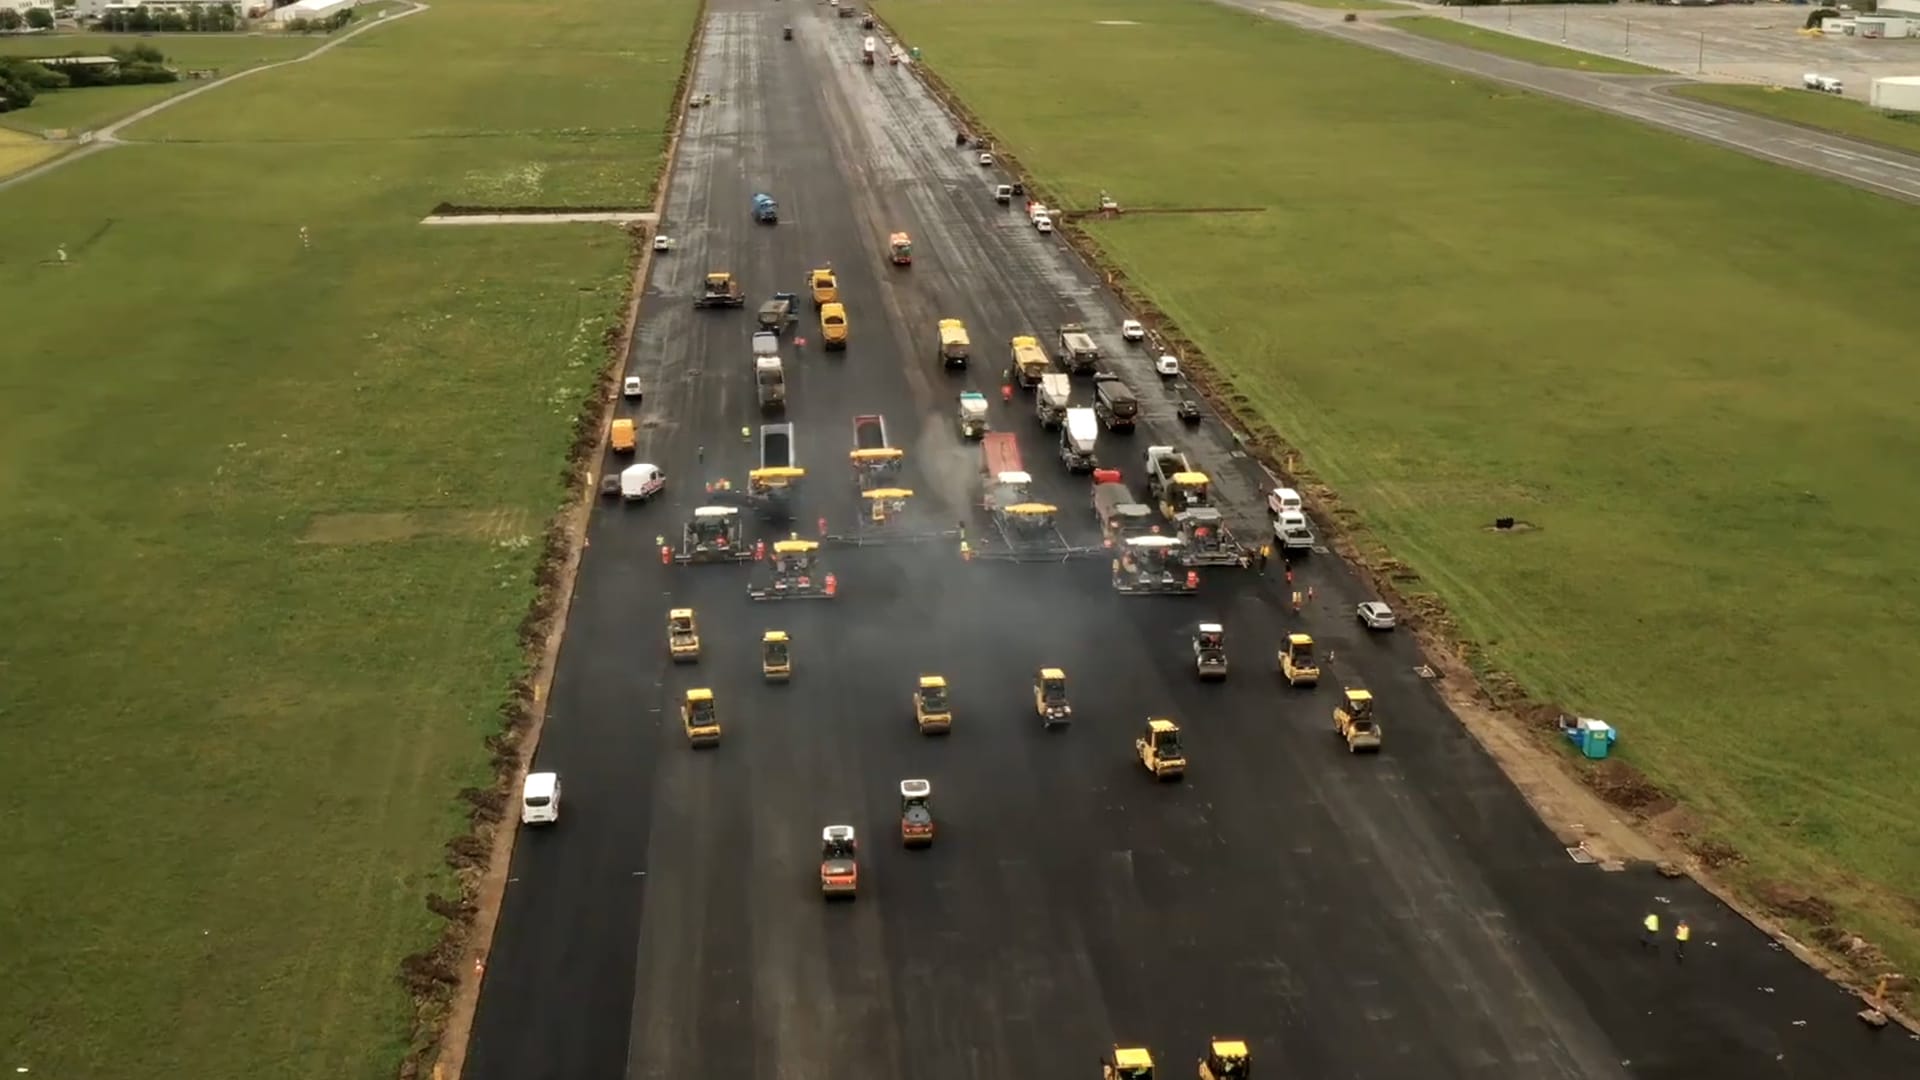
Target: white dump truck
pixel 1077 437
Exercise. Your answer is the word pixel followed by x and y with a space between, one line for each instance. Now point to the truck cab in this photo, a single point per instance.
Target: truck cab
pixel 1159 750
pixel 932 710
pixel 1297 662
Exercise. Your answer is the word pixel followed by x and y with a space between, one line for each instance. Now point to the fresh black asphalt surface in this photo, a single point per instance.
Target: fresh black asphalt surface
pixel 1389 916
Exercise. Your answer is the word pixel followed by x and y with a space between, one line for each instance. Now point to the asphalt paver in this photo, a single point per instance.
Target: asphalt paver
pixel 1393 915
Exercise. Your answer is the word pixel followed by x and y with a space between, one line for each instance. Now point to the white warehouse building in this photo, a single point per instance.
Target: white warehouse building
pixel 1900 93
pixel 311 9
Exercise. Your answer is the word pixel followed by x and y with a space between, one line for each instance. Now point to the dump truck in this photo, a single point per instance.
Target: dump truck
pixel 874 459
pixel 1077 438
pixel 1028 363
pixel 776 446
pixel 1114 403
pixel 777 314
pixel 900 249
pixel 1050 401
pixel 1076 352
pixel 1121 516
pixel 720 289
pixel 824 286
pixel 973 415
pixel 770 382
pixel 765 210
pixel 1163 463
pixel 954 347
pixel 1002 474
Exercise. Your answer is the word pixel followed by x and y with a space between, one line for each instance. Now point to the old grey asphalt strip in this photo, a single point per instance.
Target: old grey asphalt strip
pixel 1862 165
pixel 1404 915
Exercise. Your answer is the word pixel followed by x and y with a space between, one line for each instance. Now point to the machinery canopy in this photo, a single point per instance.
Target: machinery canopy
pixel 773 636
pixel 793 547
pixel 699 695
pixel 715 511
pixel 1190 478
pixel 878 454
pixel 887 493
pixel 781 473
pixel 1034 509
pixel 932 682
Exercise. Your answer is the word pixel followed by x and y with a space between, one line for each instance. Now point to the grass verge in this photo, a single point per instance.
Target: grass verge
pixel 20 151
pixel 1354 5
pixel 92 107
pixel 1515 47
pixel 1842 116
pixel 1476 303
pixel 274 539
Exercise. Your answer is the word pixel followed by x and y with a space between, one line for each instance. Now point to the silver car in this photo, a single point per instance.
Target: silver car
pixel 1375 615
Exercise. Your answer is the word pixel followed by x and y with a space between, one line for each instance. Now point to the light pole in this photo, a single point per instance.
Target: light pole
pixel 1629 37
pixel 1701 66
pixel 1563 24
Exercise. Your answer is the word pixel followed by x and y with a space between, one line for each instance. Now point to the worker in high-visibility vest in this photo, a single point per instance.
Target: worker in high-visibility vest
pixel 1650 932
pixel 1681 933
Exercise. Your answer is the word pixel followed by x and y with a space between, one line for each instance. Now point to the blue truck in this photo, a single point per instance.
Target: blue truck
pixel 765 210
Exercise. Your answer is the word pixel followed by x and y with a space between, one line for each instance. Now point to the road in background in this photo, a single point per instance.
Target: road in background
pixel 1396 915
pixel 1862 165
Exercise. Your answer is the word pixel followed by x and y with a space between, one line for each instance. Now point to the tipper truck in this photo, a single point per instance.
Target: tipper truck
pixel 1077 352
pixel 1077 438
pixel 1050 401
pixel 1001 472
pixel 954 346
pixel 1029 362
pixel 776 446
pixel 1114 403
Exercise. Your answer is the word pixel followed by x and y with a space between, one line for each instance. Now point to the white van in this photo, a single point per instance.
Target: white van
pixel 1284 501
pixel 540 799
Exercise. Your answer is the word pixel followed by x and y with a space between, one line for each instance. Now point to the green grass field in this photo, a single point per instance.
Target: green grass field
pixel 1519 48
pixel 18 151
pixel 1840 115
pixel 82 110
pixel 272 514
pixel 1465 302
pixel 1354 5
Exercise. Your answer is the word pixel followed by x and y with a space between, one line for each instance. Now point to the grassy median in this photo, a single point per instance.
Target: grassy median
pixel 1842 116
pixel 1463 302
pixel 272 509
pixel 1515 47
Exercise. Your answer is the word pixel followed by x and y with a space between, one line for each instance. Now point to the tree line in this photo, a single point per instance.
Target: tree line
pixel 23 80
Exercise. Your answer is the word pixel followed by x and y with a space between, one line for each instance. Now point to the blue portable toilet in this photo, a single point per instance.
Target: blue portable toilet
pixel 1593 738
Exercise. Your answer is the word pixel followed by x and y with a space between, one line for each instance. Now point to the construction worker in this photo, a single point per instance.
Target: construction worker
pixel 1650 932
pixel 1266 552
pixel 1006 393
pixel 1681 933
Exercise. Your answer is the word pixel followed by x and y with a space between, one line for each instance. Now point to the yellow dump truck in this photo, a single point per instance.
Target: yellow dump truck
pixel 954 344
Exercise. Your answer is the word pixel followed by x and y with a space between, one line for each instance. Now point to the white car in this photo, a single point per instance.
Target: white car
pixel 986 158
pixel 1168 365
pixel 630 387
pixel 540 799
pixel 1133 331
pixel 1043 223
pixel 663 243
pixel 1375 615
